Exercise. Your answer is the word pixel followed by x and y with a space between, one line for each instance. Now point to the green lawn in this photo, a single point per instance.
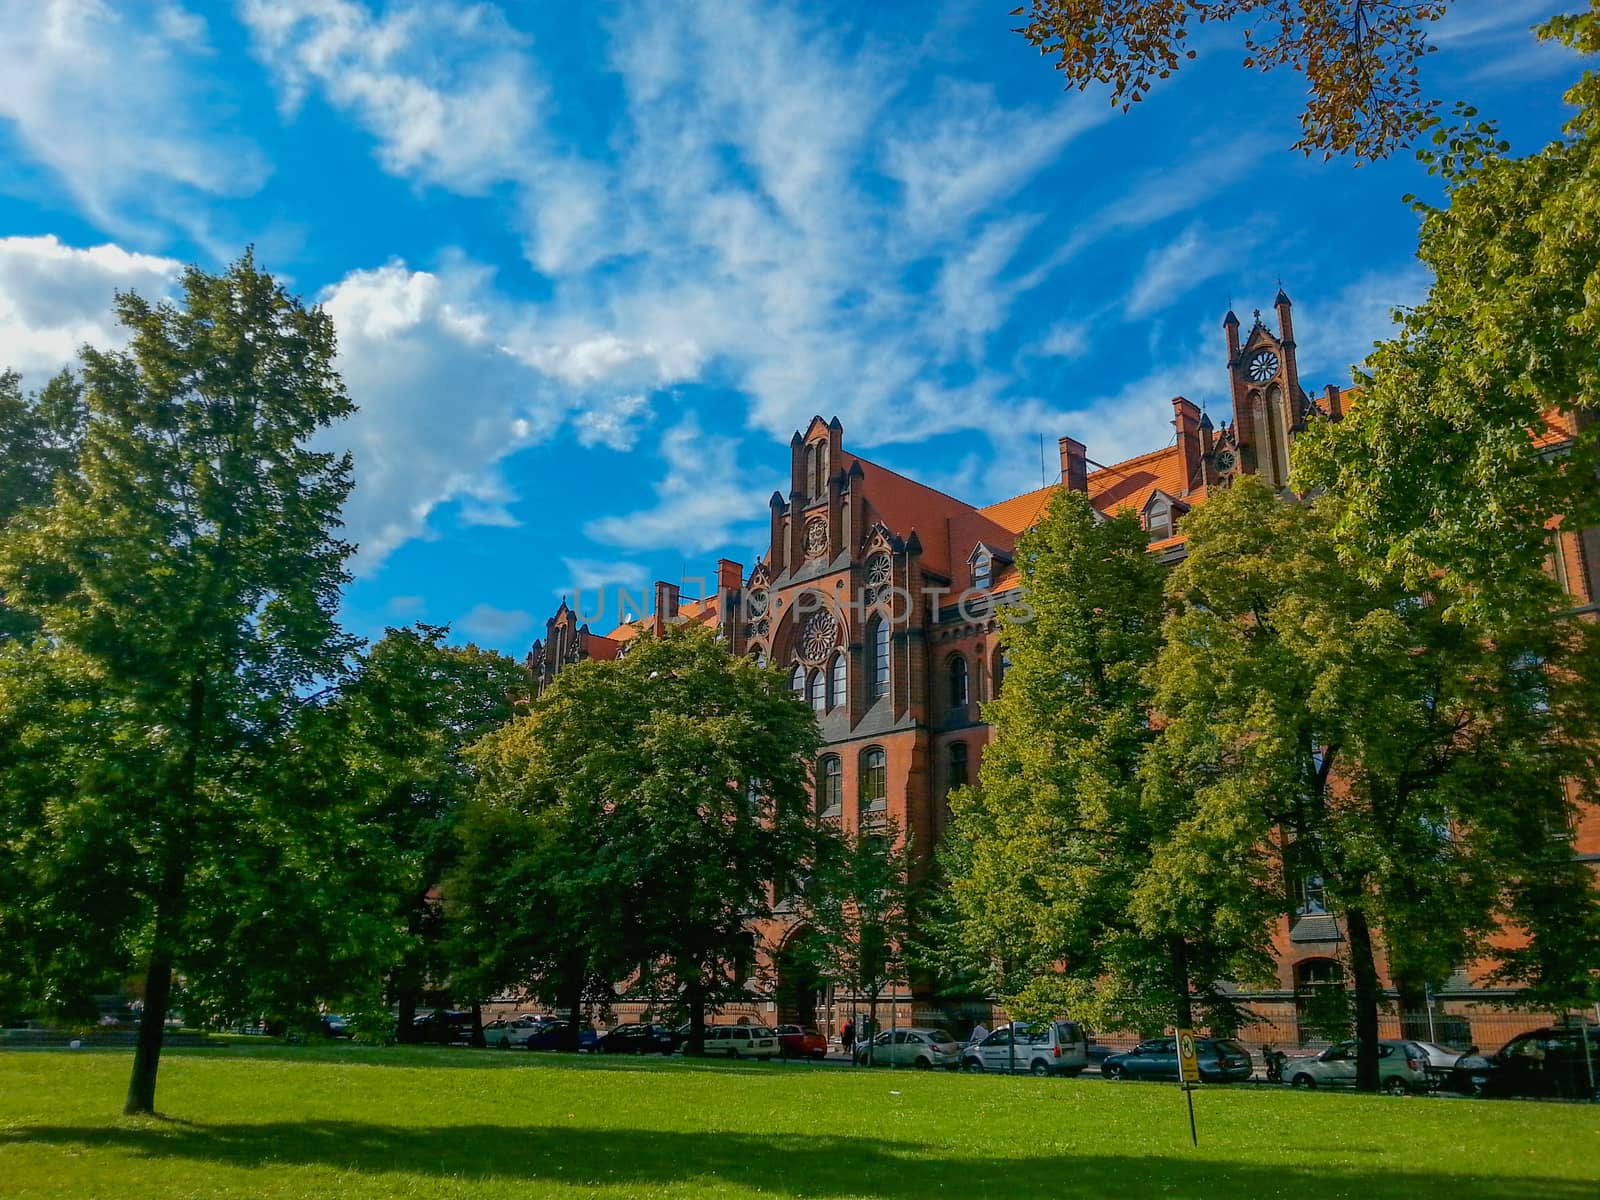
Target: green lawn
pixel 262 1121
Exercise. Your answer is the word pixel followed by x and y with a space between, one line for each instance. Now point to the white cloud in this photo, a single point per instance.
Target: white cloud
pixel 440 402
pixel 114 109
pixel 1170 271
pixel 1064 339
pixel 1336 331
pixel 588 574
pixel 616 425
pixel 494 624
pixel 696 510
pixel 55 298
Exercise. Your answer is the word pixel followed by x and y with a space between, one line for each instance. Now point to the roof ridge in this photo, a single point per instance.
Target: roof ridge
pixel 1127 462
pixel 877 466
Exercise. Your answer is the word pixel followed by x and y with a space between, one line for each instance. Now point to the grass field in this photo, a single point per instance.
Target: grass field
pixel 349 1121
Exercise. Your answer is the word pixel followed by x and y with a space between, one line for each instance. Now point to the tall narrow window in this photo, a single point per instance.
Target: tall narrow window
pixel 880 658
pixel 959 691
pixel 811 471
pixel 797 681
pixel 830 784
pixel 838 681
pixel 1002 667
pixel 819 694
pixel 958 765
pixel 874 781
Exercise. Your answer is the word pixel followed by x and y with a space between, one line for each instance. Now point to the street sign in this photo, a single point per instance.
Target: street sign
pixel 1188 1061
pixel 1188 1074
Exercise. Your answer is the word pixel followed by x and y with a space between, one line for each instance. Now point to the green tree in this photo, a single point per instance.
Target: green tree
pixel 414 707
pixel 1050 854
pixel 1360 59
pixel 858 901
pixel 1337 719
pixel 186 581
pixel 655 802
pixel 1435 466
pixel 41 433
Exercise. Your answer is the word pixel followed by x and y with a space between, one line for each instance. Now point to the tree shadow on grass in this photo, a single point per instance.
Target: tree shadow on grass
pixel 466 1058
pixel 780 1165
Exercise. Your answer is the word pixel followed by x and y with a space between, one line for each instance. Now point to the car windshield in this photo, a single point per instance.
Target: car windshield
pixel 939 1035
pixel 1228 1045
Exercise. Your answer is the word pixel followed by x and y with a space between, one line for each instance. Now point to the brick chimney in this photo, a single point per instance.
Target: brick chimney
pixel 1191 449
pixel 1074 464
pixel 730 576
pixel 666 606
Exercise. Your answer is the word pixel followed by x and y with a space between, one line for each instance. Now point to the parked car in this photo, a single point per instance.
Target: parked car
pixel 800 1041
pixel 443 1027
pixel 336 1026
pixel 911 1047
pixel 512 1031
pixel 1402 1067
pixel 1221 1060
pixel 1542 1062
pixel 639 1038
pixel 1045 1048
pixel 737 1041
pixel 557 1035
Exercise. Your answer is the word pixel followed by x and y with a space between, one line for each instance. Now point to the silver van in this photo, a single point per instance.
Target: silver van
pixel 1039 1048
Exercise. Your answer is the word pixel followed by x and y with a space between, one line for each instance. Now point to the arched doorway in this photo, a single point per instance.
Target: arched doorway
pixel 802 994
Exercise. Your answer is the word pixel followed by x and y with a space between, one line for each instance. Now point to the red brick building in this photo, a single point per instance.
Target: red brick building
pixel 879 595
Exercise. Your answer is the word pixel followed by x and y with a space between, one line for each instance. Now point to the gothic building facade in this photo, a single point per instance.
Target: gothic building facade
pixel 880 598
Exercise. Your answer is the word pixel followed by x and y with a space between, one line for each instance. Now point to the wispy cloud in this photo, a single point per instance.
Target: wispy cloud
pixel 115 109
pixel 1169 271
pixel 494 624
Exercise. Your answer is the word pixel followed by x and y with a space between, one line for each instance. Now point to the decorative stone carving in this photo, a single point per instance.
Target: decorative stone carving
pixel 879 574
pixel 816 543
pixel 818 638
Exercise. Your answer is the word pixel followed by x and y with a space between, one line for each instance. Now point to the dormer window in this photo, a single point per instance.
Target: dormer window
pixel 1161 514
pixel 982 569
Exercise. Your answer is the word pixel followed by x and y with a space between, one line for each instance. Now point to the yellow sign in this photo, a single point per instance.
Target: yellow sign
pixel 1188 1062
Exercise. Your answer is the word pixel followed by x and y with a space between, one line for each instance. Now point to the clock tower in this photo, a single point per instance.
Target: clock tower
pixel 1269 407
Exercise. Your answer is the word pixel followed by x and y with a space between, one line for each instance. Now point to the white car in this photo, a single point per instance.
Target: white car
pixel 913 1047
pixel 739 1041
pixel 515 1031
pixel 1044 1048
pixel 1402 1067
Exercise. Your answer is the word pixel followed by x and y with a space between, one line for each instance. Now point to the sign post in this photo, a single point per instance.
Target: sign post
pixel 1188 1075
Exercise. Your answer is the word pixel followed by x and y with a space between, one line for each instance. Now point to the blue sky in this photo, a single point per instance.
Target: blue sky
pixel 592 264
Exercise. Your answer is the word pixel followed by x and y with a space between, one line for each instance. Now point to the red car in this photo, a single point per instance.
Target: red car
pixel 797 1041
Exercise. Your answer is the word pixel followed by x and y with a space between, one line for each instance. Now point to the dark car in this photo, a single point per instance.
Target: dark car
pixel 336 1026
pixel 443 1027
pixel 557 1035
pixel 640 1038
pixel 1542 1062
pixel 1221 1060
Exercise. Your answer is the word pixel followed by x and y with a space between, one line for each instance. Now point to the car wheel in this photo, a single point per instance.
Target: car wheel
pixel 923 1064
pixel 1395 1086
pixel 1111 1071
pixel 972 1066
pixel 1302 1080
pixel 1039 1067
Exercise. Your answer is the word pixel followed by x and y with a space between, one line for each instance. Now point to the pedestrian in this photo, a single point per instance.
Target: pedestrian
pixel 847 1036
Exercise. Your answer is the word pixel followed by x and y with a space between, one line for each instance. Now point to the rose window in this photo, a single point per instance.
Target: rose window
pixel 820 636
pixel 879 574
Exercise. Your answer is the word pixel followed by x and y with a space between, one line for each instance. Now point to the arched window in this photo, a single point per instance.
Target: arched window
pixel 797 681
pixel 874 780
pixel 1002 667
pixel 879 643
pixel 839 680
pixel 959 692
pixel 830 784
pixel 958 765
pixel 811 471
pixel 819 694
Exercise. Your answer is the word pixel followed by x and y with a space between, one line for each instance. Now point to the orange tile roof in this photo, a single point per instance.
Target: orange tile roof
pixel 701 612
pixel 1127 484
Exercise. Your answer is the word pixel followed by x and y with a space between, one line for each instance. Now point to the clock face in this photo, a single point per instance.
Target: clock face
pixel 1263 365
pixel 756 603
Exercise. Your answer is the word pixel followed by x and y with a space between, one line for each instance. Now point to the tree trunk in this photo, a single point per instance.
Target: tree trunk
pixel 477 1026
pixel 695 998
pixel 872 1028
pixel 1365 970
pixel 572 1001
pixel 405 1030
pixel 152 1026
pixel 1183 1005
